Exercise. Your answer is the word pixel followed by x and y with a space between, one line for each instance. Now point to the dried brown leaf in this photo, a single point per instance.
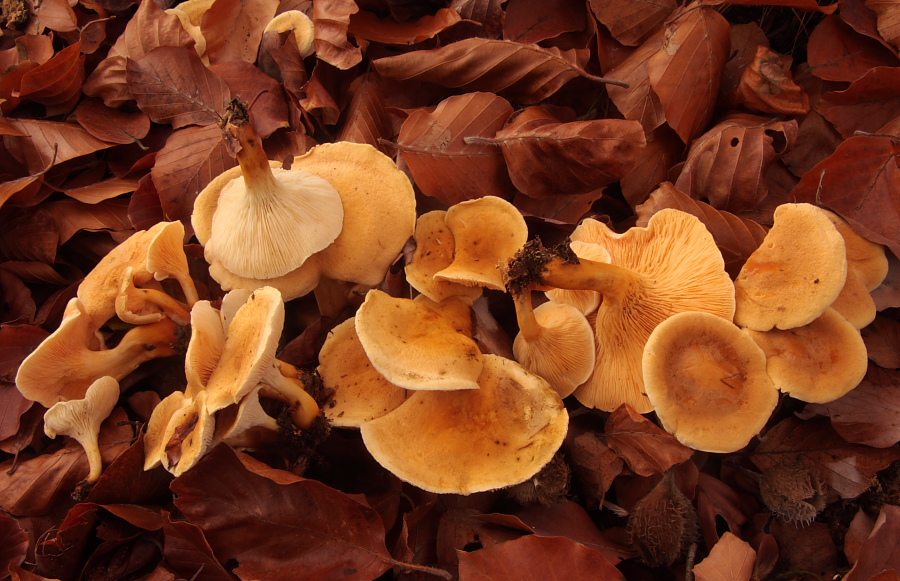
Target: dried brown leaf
pixel 112 125
pixel 730 560
pixel 881 551
pixel 637 100
pixel 56 84
pixel 558 209
pixel 595 463
pixel 12 403
pixel 172 85
pixel 882 339
pixel 717 501
pixel 18 305
pixel 16 343
pixel 849 469
pixel 520 72
pixel 812 5
pixel 664 149
pixel 546 157
pixel 331 22
pixel 72 216
pixel 29 235
pixel 144 209
pixel 888 19
pixel 103 190
pixel 727 165
pixel 836 52
pixel 49 142
pixel 767 86
pixel 22 188
pixel 368 25
pixel 234 28
pixel 58 16
pixel 632 22
pixel 188 552
pixel 483 18
pixel 532 21
pixel 645 447
pixel 191 158
pixel 15 542
pixel 868 104
pixel 569 519
pixel 443 164
pixel 365 120
pixel 816 140
pixel 268 110
pixel 38 272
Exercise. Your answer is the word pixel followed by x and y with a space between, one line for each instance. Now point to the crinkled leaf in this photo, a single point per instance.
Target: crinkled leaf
pixel 274 530
pixel 72 216
pixel 29 235
pixel 767 86
pixel 888 19
pixel 172 85
pixel 331 22
pixel 569 519
pixel 15 542
pixel 881 551
pixel 645 447
pixel 632 22
pixel 520 72
pixel 49 142
pixel 538 559
pixel 868 104
pixel 188 552
pixel 686 71
pixel 56 83
pixel 836 52
pixel 444 166
pixel 112 125
pixel 234 28
pixel 596 464
pixel 57 15
pixel 717 501
pixel 847 468
pixel 365 24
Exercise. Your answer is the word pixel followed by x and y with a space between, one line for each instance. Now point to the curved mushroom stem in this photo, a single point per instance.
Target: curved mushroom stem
pixel 252 157
pixel 609 280
pixel 528 326
pixel 132 295
pixel 304 408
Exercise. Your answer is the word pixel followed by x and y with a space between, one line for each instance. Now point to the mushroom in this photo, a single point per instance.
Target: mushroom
pixel 189 435
pixel 205 347
pixel 556 342
pixel 457 310
pixel 707 382
pixel 669 266
pixel 415 347
pixel 140 306
pixel 818 362
pixel 585 301
pixel 434 252
pixel 156 437
pixel 299 25
pixel 487 232
pixel 472 440
pixel 361 393
pixel 81 418
pixel 63 366
pixel 795 274
pixel 237 425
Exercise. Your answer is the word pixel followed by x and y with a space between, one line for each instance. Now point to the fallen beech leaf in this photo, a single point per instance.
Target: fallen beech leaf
pixel 847 468
pixel 861 182
pixel 103 190
pixel 863 20
pixel 321 92
pixel 331 22
pixel 15 542
pixel 686 71
pixel 150 27
pixel 49 142
pixel 482 18
pixel 545 157
pixel 800 4
pixel 882 339
pixel 731 559
pixel 664 149
pixel 887 295
pixel 172 85
pixel 881 551
pixel 560 208
pixel 112 125
pixel 637 100
pixel 594 462
pixel 144 209
pixel 56 84
pixel 869 414
pixel 268 110
pixel 888 18
pixel 868 104
pixel 40 272
pixel 63 554
pixel 746 39
pixel 365 119
pixel 836 52
pixel 809 547
pixel 58 16
pixel 727 165
pixel 766 85
pixel 188 552
pixel 462 528
pixel 736 237
pixel 446 166
pixel 530 22
pixel 125 481
pixel 521 72
pixel 274 530
pixel 20 574
pixel 859 530
pixel 569 519
pixel 632 22
pixel 29 235
pixel 73 216
pixel 192 157
pixel 816 140
pixel 538 559
pixel 16 343
pixel 365 24
pixel 25 187
pixel 18 305
pixel 717 501
pixel 234 28
pixel 12 404
pixel 645 447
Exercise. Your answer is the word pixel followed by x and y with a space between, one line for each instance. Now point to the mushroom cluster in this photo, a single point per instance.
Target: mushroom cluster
pixel 75 371
pixel 431 407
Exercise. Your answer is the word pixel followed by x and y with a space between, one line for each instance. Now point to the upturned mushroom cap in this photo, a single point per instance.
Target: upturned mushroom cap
pixel 81 419
pixel 795 274
pixel 487 232
pixel 818 362
pixel 299 25
pixel 707 381
pixel 361 393
pixel 189 435
pixel 379 209
pixel 166 259
pixel 585 301
pixel 434 252
pixel 556 342
pixel 140 306
pixel 468 441
pixel 237 419
pixel 414 347
pixel 158 432
pixel 205 347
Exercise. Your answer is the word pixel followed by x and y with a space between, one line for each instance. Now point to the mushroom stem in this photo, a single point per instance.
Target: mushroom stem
pixel 332 296
pixel 252 157
pixel 528 326
pixel 142 344
pixel 611 281
pixel 304 408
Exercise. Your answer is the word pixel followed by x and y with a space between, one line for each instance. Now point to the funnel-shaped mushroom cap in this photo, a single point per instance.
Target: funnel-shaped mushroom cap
pixel 707 381
pixel 434 252
pixel 249 348
pixel 469 441
pixel 158 432
pixel 796 273
pixel 189 435
pixel 673 265
pixel 558 346
pixel 585 301
pixel 299 25
pixel 166 259
pixel 361 393
pixel 81 419
pixel 236 419
pixel 205 347
pixel 487 232
pixel 379 209
pixel 818 362
pixel 414 347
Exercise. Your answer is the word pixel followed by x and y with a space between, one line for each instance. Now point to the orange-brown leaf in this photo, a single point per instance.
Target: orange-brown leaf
pixel 645 447
pixel 521 72
pixel 49 142
pixel 268 110
pixel 443 164
pixel 365 119
pixel 728 164
pixel 687 70
pixel 736 237
pixel 637 100
pixel 632 22
pixel 836 52
pixel 56 84
pixel 57 15
pixel 102 190
pixel 73 216
pixel 882 339
pixel 664 149
pixel 112 125
pixel 531 21
pixel 331 22
pixel 888 18
pixel 365 24
pixel 868 104
pixel 546 157
pixel 234 28
pixel 730 560
pixel 767 85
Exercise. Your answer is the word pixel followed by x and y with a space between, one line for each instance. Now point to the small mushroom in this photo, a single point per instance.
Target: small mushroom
pixel 81 418
pixel 299 25
pixel 434 252
pixel 795 274
pixel 140 306
pixel 585 301
pixel 707 382
pixel 472 440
